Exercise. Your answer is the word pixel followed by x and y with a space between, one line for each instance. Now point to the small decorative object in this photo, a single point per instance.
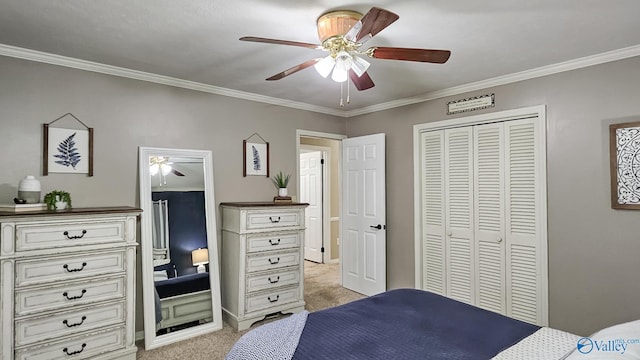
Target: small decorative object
pixel 200 258
pixel 67 150
pixel 58 200
pixel 624 154
pixel 281 181
pixel 29 190
pixel 255 157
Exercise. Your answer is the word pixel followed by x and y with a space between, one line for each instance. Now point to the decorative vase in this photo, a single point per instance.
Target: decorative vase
pixel 282 192
pixel 29 190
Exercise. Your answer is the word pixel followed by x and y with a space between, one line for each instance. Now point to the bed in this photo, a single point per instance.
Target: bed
pixel 183 299
pixel 407 324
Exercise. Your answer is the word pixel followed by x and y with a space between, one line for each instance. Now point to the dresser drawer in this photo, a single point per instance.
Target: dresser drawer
pixel 74 266
pixel 271 299
pixel 68 294
pixel 273 241
pixel 78 347
pixel 41 235
pixel 273 279
pixel 271 261
pixel 273 219
pixel 37 329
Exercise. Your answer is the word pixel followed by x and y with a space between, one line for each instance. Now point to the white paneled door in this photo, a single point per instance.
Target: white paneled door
pixel 363 239
pixel 311 193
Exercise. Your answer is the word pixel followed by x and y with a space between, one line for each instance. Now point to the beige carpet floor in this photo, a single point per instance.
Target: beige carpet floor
pixel 321 290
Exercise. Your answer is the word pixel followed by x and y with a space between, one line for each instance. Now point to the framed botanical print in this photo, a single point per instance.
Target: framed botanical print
pixel 624 153
pixel 255 159
pixel 67 150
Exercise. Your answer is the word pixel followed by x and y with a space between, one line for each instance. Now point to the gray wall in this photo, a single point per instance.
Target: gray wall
pixel 128 113
pixel 594 251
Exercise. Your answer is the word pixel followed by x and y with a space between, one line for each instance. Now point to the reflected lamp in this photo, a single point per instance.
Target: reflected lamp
pixel 200 258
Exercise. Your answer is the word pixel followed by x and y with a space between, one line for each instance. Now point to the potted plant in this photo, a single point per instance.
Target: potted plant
pixel 280 180
pixel 57 200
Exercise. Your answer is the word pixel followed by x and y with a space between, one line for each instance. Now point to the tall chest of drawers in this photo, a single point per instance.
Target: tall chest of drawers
pixel 262 261
pixel 68 284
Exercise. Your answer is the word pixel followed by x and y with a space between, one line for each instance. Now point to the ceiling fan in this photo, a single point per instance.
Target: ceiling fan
pixel 343 33
pixel 162 165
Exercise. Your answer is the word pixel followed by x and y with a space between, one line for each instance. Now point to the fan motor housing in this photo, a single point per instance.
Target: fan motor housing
pixel 336 23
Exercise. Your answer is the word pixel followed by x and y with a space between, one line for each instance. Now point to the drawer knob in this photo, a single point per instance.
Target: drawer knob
pixel 66 233
pixel 274 281
pixel 66 350
pixel 272 262
pixel 66 322
pixel 274 243
pixel 273 300
pixel 274 219
pixel 66 294
pixel 66 267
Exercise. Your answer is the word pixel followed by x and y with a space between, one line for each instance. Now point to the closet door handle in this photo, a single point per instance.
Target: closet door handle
pixel 449 234
pixel 379 227
pixel 499 239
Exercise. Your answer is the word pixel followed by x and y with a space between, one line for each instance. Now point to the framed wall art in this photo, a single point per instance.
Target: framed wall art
pixel 67 150
pixel 624 154
pixel 255 157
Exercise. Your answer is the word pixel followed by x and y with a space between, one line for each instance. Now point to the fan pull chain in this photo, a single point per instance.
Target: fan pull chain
pixel 348 92
pixel 342 94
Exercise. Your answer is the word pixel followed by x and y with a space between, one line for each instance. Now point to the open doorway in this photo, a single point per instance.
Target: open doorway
pixel 320 187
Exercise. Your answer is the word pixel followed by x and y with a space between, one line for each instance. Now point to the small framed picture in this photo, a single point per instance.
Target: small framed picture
pixel 255 159
pixel 68 151
pixel 624 155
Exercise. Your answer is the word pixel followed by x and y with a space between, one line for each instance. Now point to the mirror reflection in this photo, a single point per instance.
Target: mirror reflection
pixel 181 297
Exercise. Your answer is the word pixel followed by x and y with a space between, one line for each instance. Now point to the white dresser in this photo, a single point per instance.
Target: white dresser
pixel 68 284
pixel 262 261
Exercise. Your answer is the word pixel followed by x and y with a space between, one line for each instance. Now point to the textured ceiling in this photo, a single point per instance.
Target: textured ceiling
pixel 197 40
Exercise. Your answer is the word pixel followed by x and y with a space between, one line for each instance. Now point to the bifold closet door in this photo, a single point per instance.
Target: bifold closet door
pixel 489 216
pixel 458 188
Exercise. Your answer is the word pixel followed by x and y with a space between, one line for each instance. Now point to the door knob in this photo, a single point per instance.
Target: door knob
pixel 499 239
pixel 376 227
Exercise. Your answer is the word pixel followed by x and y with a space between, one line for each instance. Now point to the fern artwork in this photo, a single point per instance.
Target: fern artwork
pixel 256 157
pixel 68 151
pixel 68 154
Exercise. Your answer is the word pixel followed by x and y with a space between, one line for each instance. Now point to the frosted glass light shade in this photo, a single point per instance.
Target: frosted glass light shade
pixel 153 169
pixel 343 64
pixel 359 65
pixel 324 66
pixel 166 169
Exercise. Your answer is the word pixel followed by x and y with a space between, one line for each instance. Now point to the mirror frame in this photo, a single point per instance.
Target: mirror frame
pixel 152 341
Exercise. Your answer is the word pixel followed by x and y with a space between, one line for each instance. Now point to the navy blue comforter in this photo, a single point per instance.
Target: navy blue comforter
pixel 408 324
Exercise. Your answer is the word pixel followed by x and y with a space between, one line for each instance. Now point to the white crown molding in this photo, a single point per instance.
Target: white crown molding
pixel 53 59
pixel 602 58
pixel 38 56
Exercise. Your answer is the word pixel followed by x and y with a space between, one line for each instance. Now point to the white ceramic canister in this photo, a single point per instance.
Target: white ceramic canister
pixel 29 190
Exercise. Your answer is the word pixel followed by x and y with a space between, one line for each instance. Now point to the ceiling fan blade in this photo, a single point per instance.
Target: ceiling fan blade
pixel 294 69
pixel 363 82
pixel 371 23
pixel 423 55
pixel 281 42
pixel 176 172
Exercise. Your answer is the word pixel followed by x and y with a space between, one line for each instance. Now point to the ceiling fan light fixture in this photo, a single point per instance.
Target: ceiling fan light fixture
pixel 324 66
pixel 343 64
pixel 153 169
pixel 166 169
pixel 359 65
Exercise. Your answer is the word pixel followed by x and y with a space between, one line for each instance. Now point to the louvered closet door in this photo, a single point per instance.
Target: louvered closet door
pixel 525 259
pixel 459 214
pixel 433 219
pixel 489 217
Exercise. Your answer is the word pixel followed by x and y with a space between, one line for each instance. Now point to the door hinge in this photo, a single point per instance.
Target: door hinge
pixel 322 249
pixel 322 161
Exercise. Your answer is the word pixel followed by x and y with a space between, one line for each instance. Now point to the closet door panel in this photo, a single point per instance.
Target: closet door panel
pixel 459 214
pixel 489 217
pixel 433 220
pixel 523 229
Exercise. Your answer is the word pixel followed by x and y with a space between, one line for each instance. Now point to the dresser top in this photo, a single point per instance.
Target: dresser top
pixel 73 211
pixel 261 204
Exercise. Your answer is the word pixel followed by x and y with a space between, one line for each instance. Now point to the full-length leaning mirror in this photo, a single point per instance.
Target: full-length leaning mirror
pixel 180 270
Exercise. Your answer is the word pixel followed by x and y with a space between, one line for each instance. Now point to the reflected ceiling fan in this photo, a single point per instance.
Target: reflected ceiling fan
pixel 161 165
pixel 343 33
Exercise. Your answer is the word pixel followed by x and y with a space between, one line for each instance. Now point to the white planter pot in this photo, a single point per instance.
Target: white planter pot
pixel 282 192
